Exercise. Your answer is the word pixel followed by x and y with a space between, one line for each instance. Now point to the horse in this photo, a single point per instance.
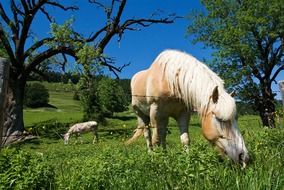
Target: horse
pixel 80 128
pixel 175 84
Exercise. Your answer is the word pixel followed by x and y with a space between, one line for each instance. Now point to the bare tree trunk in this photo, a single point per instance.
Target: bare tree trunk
pixel 4 75
pixel 14 122
pixel 266 107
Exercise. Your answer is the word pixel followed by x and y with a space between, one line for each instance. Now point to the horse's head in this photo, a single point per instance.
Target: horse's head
pixel 219 126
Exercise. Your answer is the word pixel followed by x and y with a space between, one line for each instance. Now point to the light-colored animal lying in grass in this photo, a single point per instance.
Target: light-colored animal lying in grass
pixel 80 128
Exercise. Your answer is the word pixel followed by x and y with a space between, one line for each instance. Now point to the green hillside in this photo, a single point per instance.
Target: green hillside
pixel 62 106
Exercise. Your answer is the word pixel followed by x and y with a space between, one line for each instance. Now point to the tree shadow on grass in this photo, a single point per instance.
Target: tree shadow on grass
pixel 30 139
pixel 124 118
pixel 50 106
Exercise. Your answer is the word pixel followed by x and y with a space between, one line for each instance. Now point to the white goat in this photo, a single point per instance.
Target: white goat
pixel 79 128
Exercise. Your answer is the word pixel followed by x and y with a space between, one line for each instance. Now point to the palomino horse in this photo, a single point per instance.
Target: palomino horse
pixel 175 84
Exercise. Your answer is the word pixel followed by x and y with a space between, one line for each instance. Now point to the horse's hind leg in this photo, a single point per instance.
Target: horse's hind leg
pixel 143 124
pixel 159 124
pixel 147 132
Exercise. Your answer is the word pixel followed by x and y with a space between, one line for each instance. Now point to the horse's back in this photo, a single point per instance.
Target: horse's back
pixel 151 86
pixel 138 84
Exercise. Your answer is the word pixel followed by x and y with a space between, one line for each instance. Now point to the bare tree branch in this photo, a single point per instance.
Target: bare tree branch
pixel 7 46
pixel 113 27
pixel 7 20
pixel 94 37
pixel 65 61
pixel 49 18
pixel 48 54
pixel 36 46
pixel 117 28
pixel 25 5
pixel 281 68
pixel 107 10
pixel 28 18
pixel 109 63
pixel 55 4
pixel 15 11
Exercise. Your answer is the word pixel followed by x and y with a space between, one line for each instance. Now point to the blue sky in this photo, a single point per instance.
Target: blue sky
pixel 139 48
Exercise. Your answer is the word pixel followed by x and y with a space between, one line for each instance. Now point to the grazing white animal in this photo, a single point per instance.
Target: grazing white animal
pixel 79 128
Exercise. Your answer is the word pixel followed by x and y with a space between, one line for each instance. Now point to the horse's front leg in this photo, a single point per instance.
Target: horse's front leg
pixel 183 120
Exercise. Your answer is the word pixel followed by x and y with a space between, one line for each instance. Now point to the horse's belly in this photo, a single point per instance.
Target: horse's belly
pixel 171 108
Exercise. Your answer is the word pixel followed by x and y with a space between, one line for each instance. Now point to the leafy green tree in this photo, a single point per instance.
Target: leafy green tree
pixel 27 53
pixel 248 37
pixel 125 84
pixel 101 97
pixel 89 99
pixel 111 96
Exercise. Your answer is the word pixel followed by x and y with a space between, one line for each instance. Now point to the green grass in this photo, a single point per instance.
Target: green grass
pixel 110 164
pixel 64 109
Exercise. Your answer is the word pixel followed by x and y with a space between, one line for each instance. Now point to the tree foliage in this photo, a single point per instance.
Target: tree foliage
pixel 111 96
pixel 249 39
pixel 101 97
pixel 89 99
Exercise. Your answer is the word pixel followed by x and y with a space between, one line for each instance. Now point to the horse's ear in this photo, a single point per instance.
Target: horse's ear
pixel 215 95
pixel 233 93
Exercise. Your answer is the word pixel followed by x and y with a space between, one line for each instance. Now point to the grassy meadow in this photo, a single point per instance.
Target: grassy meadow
pixel 63 108
pixel 46 163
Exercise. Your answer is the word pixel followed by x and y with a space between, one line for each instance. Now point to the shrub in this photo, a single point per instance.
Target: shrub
pixel 22 170
pixel 36 95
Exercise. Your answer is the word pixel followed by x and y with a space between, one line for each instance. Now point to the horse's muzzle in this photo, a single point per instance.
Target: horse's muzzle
pixel 244 159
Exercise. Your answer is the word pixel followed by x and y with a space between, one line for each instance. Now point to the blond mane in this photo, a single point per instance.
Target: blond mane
pixel 193 82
